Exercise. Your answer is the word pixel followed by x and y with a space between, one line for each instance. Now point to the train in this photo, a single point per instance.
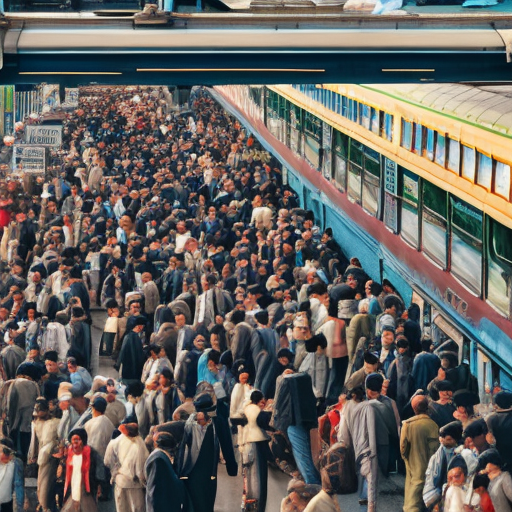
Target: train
pixel 414 180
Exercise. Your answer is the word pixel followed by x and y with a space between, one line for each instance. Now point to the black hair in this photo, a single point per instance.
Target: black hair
pixel 257 396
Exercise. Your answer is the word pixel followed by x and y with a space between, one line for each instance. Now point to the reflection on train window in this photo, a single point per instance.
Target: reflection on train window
pixel 484 176
pixel 502 180
pixel 354 171
pixel 418 139
pixel 434 223
pixel 429 144
pixel 499 275
pixel 440 156
pixel 466 244
pixel 468 163
pixel 371 182
pixel 407 134
pixel 454 156
pixel 410 228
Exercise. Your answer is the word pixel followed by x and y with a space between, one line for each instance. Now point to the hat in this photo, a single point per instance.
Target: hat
pixel 370 358
pixel 29 370
pixel 316 341
pixel 261 317
pixel 465 398
pixel 80 432
pixel 374 382
pixel 476 428
pixel 203 402
pixel 458 462
pixel 444 385
pixel 453 429
pixel 503 399
pixel 99 404
pixel 491 456
pixel 51 355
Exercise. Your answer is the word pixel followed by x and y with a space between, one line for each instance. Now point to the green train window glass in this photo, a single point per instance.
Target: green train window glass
pixel 341 143
pixel 501 241
pixel 356 152
pixel 410 186
pixel 434 198
pixel 467 218
pixel 372 166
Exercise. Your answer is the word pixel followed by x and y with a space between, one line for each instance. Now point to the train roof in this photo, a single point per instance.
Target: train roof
pixel 487 106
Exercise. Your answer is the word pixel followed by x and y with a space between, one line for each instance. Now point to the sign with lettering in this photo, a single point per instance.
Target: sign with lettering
pixel 29 159
pixel 71 99
pixel 390 176
pixel 44 135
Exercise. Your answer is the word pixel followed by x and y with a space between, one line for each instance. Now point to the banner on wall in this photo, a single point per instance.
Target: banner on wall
pixel 44 135
pixel 8 109
pixel 51 96
pixel 29 159
pixel 71 98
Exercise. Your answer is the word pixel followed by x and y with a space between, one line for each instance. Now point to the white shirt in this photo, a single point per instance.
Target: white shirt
pixel 76 478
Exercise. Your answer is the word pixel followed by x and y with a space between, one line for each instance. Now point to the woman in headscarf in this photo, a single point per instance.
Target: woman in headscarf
pixel 80 475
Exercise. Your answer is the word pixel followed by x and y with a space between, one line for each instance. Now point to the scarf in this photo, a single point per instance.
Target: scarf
pixel 86 466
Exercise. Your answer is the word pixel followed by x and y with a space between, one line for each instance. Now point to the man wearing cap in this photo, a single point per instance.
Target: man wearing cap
pixel 11 356
pixel 131 358
pixel 475 434
pixel 53 377
pixel 442 410
pixel 500 426
pixel 418 443
pixel 44 441
pixel 500 486
pixel 450 436
pixel 125 457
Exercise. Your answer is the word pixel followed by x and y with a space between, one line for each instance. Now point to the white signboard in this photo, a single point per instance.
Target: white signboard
pixel 44 135
pixel 29 159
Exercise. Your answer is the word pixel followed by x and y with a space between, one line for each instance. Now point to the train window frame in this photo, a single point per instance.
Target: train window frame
pixel 417 147
pixel 407 135
pixel 410 203
pixel 498 294
pixel 440 156
pixel 467 237
pixel 499 162
pixel 468 174
pixel 484 170
pixel 452 153
pixel 431 218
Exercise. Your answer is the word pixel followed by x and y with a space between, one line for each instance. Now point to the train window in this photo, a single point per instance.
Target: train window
pixel 484 175
pixel 387 126
pixel 344 106
pixel 355 171
pixel 340 159
pixel 499 266
pixel 466 244
pixel 295 117
pixel 327 150
pixel 410 228
pixel 468 163
pixel 418 139
pixel 429 144
pixel 371 182
pixel 407 133
pixel 440 156
pixel 502 180
pixel 434 222
pixel 353 110
pixel 337 103
pixel 453 156
pixel 374 121
pixel 365 116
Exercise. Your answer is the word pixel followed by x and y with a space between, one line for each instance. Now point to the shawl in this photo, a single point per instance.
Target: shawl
pixel 86 466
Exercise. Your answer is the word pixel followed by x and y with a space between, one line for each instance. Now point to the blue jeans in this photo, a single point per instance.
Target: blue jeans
pixel 301 448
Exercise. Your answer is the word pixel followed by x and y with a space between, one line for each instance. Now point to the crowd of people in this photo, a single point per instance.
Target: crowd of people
pixel 242 335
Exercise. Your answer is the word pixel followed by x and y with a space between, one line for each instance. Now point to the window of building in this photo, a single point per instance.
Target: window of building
pixel 440 156
pixel 418 139
pixel 434 223
pixel 499 266
pixel 355 171
pixel 453 156
pixel 409 230
pixel 466 244
pixel 407 134
pixel 484 174
pixel 371 182
pixel 502 180
pixel 468 163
